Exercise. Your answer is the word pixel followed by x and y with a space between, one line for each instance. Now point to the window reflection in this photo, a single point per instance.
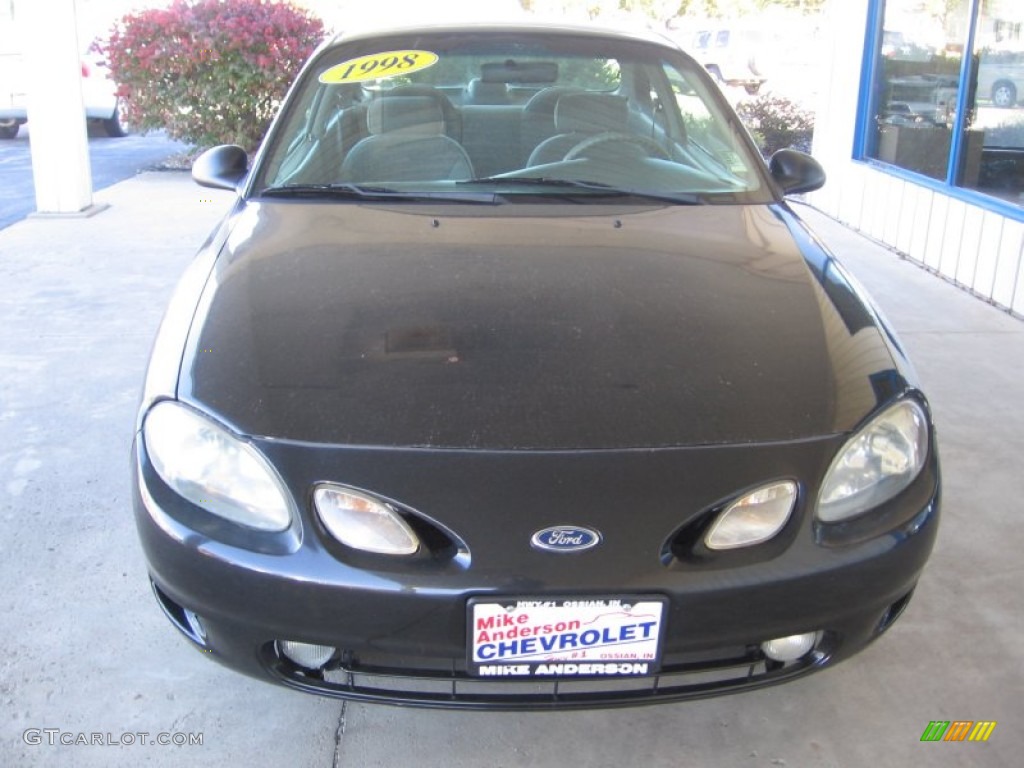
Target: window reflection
pixel 917 84
pixel 994 136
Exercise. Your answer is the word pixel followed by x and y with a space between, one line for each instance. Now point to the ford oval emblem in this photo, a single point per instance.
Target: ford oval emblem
pixel 566 538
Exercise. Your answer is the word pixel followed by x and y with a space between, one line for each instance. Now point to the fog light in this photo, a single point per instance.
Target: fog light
pixel 306 655
pixel 789 648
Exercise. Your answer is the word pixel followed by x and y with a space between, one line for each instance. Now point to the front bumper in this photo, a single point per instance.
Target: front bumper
pixel 400 627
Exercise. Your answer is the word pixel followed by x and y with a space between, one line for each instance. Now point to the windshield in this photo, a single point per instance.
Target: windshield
pixel 508 116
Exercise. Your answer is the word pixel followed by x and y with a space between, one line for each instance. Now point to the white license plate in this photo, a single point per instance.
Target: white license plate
pixel 565 637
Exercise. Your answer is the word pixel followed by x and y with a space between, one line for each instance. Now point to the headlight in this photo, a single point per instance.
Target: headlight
pixel 753 518
pixel 876 463
pixel 213 469
pixel 363 522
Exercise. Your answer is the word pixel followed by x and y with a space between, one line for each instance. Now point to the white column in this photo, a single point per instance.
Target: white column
pixel 56 117
pixel 844 27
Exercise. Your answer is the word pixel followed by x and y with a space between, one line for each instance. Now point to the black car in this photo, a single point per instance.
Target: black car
pixel 512 381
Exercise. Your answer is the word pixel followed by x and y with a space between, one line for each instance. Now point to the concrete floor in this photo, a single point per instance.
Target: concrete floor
pixel 87 650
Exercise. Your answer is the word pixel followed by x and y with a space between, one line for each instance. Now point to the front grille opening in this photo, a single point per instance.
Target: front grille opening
pixel 685 678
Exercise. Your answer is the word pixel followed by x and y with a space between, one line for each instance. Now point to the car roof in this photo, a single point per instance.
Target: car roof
pixel 524 27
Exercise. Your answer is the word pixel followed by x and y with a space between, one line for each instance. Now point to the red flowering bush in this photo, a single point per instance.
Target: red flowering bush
pixel 210 71
pixel 777 122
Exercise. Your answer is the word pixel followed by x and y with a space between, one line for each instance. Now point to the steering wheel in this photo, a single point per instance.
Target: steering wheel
pixel 650 147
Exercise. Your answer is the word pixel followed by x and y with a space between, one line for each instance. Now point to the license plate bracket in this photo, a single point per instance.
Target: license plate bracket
pixel 531 637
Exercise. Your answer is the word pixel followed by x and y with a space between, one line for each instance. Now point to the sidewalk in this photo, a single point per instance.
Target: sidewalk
pixel 88 651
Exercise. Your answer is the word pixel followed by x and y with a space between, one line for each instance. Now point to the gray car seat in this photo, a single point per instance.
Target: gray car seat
pixel 407 142
pixel 579 116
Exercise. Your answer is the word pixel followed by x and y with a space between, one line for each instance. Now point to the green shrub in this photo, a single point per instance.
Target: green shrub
pixel 210 71
pixel 777 122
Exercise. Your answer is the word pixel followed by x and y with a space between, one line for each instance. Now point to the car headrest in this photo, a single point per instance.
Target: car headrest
pixel 480 92
pixel 590 113
pixel 408 115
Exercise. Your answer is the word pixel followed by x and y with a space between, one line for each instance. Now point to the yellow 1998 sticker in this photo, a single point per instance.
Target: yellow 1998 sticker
pixel 378 66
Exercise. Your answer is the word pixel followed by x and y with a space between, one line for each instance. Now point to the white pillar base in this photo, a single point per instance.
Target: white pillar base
pixel 85 213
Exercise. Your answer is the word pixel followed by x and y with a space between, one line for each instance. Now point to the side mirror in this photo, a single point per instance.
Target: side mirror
pixel 796 171
pixel 221 167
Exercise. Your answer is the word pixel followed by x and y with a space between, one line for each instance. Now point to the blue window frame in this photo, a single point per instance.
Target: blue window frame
pixel 942 97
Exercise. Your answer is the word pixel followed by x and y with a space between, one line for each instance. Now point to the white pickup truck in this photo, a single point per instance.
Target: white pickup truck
pixel 728 54
pixel 99 94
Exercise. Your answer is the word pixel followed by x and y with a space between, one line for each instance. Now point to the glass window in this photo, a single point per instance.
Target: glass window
pixel 522 117
pixel 992 157
pixel 920 79
pixel 917 84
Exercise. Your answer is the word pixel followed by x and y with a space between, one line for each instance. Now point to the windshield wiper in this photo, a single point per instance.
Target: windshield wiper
pixel 593 188
pixel 368 192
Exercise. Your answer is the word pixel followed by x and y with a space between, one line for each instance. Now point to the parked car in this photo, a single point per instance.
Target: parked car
pixel 730 55
pixel 1001 77
pixel 543 404
pixel 99 95
pixel 928 98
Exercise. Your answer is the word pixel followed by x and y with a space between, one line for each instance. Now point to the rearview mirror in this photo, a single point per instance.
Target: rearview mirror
pixel 796 171
pixel 221 167
pixel 512 71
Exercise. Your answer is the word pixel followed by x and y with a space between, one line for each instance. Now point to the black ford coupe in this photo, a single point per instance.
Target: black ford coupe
pixel 512 381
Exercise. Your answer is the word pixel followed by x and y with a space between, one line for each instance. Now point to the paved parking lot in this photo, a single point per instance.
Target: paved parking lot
pixel 112 160
pixel 88 652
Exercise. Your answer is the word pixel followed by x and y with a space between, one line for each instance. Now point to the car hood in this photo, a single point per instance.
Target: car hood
pixel 532 327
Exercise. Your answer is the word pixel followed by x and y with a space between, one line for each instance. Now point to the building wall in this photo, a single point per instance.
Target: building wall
pixel 978 249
